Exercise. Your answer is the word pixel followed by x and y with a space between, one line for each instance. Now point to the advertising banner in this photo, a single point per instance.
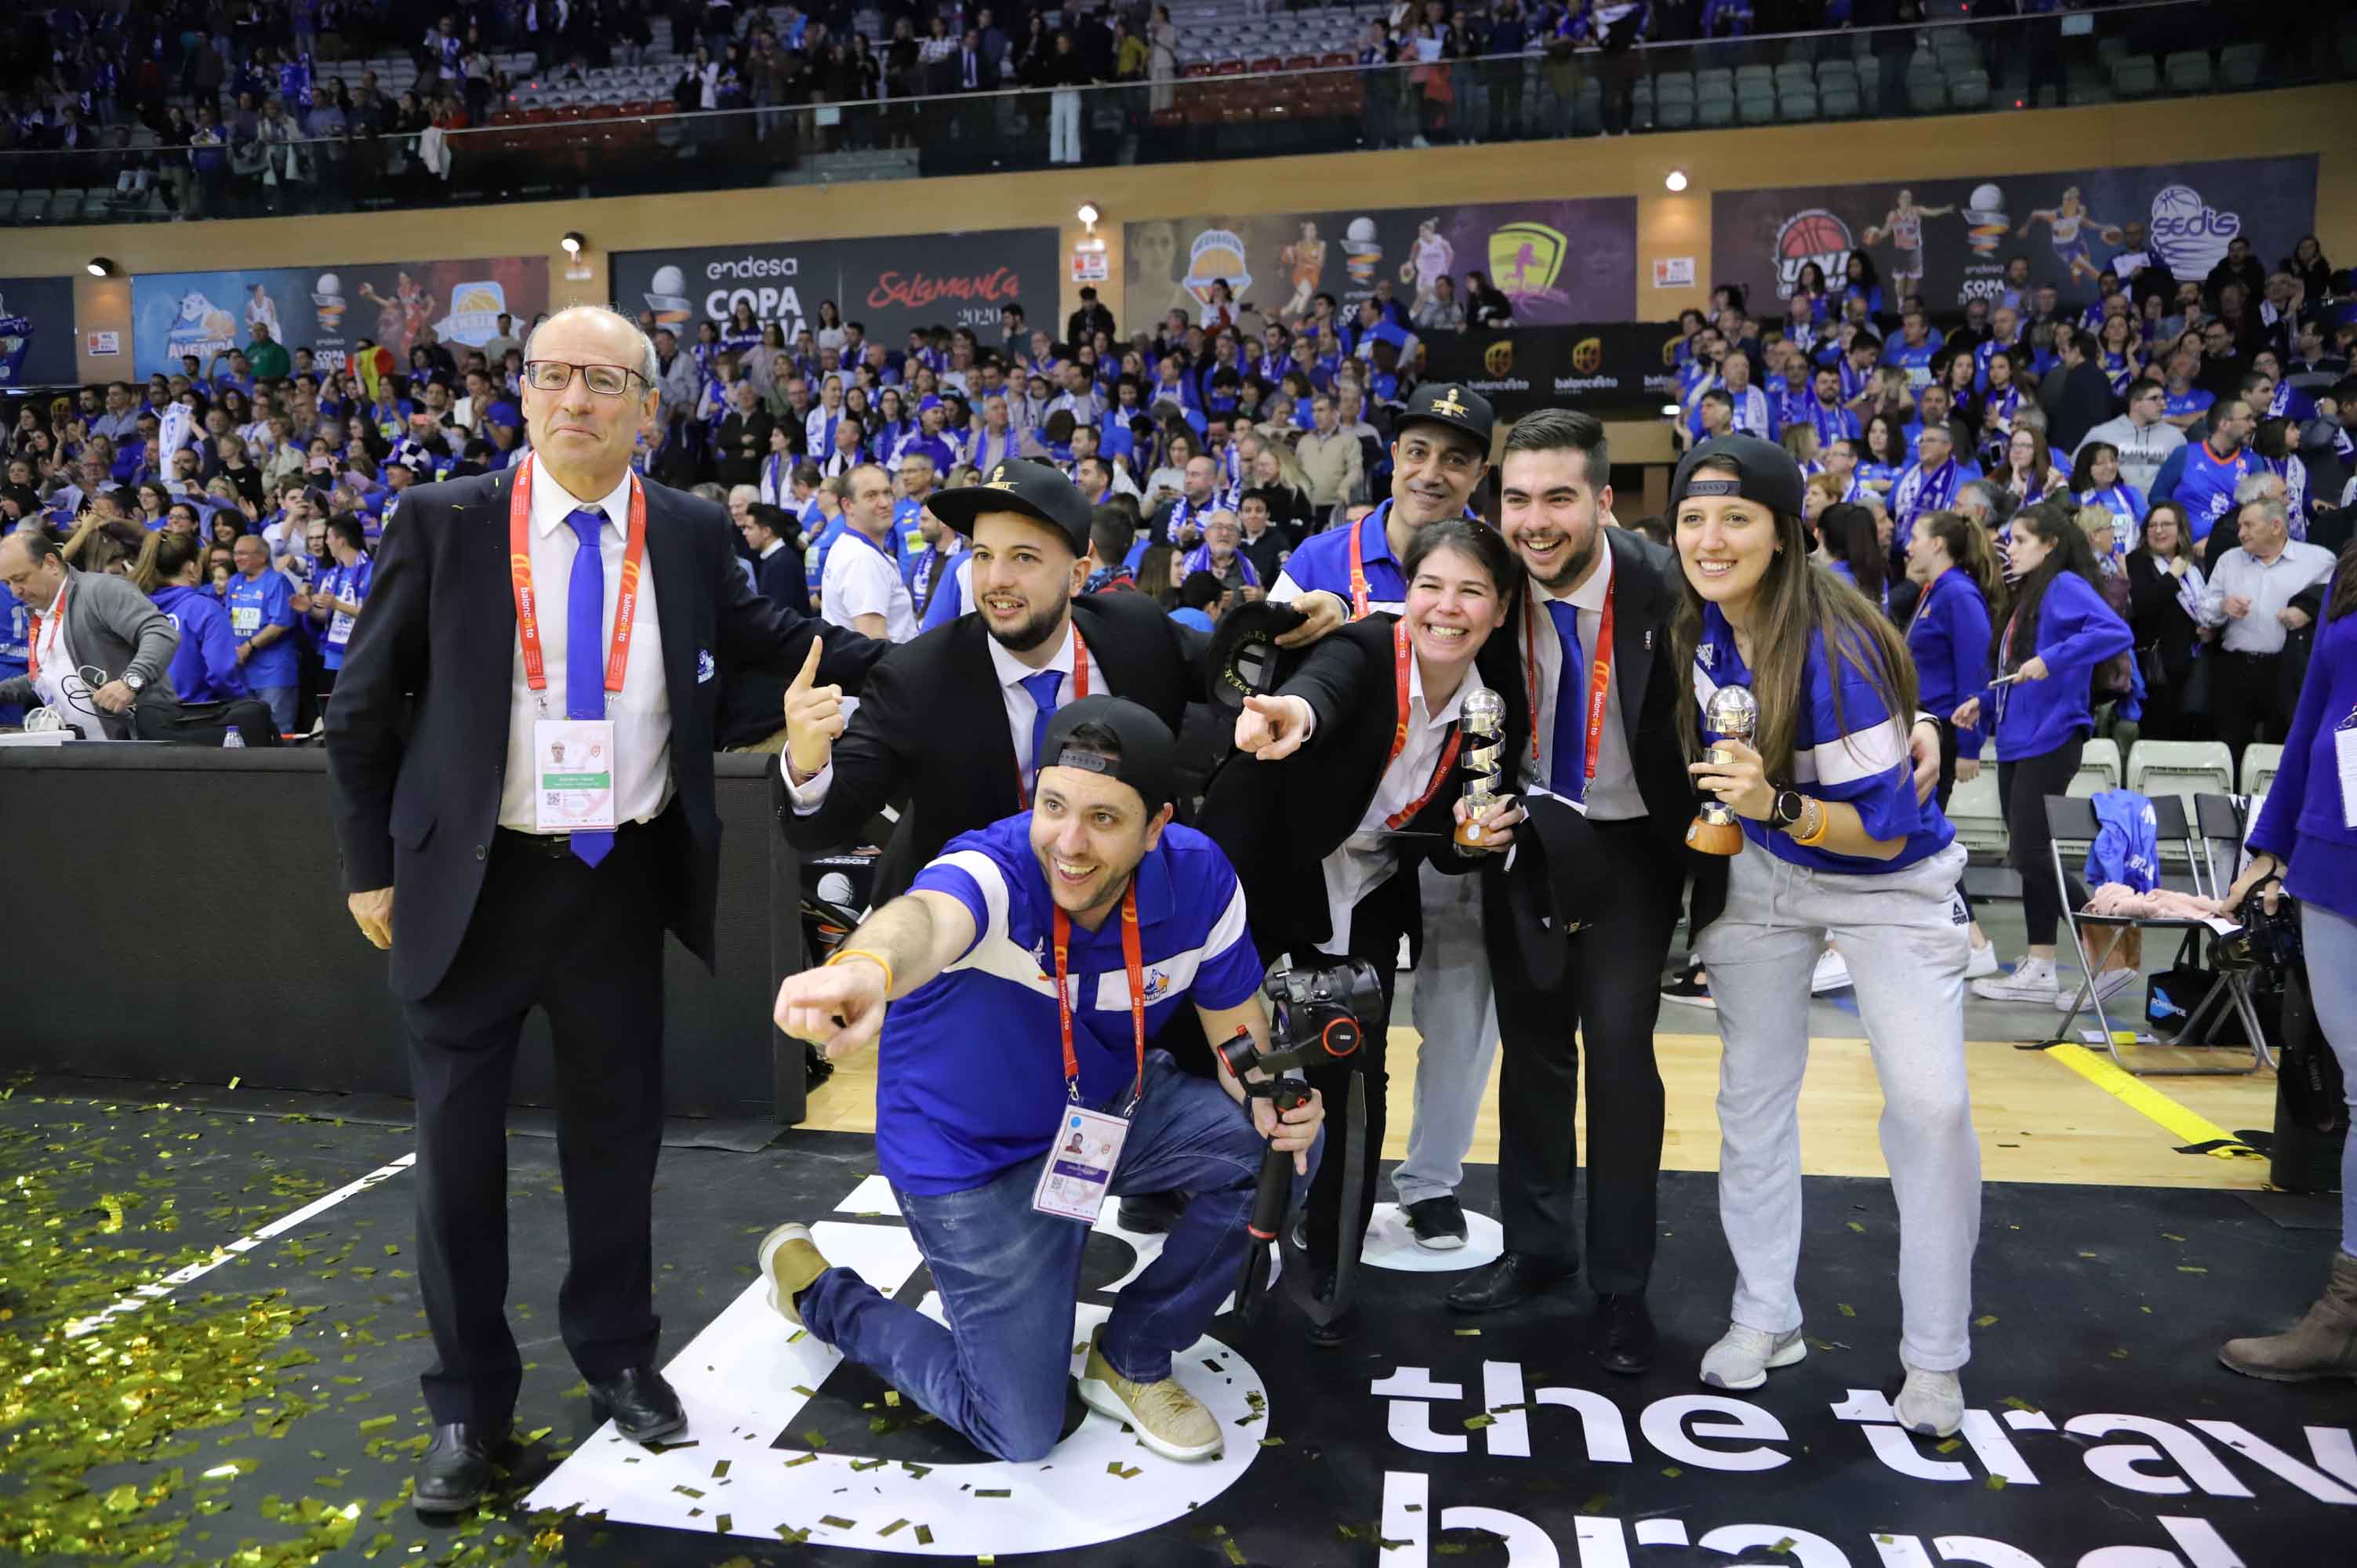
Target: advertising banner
pixel 1948 240
pixel 1622 367
pixel 1559 261
pixel 36 333
pixel 330 309
pixel 889 285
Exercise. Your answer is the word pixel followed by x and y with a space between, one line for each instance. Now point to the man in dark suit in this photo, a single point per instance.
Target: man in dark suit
pixel 949 720
pixel 559 620
pixel 1623 761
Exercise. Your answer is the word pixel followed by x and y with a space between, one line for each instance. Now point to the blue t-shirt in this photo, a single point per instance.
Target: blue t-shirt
pixel 2192 401
pixel 350 583
pixel 970 1076
pixel 1855 750
pixel 1323 563
pixel 253 605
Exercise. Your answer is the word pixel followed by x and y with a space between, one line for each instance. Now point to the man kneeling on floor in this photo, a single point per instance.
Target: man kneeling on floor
pixel 1008 1103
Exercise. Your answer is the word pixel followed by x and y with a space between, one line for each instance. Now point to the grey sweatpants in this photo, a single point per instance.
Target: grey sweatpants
pixel 1457 1016
pixel 1904 935
pixel 2331 948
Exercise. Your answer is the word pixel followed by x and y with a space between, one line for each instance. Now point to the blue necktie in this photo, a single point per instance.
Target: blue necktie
pixel 584 648
pixel 1044 688
pixel 1569 776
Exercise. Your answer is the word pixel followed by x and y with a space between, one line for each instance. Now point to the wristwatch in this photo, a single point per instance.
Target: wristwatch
pixel 137 683
pixel 1790 807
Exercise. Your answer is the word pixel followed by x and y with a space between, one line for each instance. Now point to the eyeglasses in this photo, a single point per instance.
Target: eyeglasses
pixel 555 375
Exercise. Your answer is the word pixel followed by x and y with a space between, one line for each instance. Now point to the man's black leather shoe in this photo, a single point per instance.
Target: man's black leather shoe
pixel 642 1404
pixel 1625 1339
pixel 456 1469
pixel 1152 1213
pixel 1341 1330
pixel 1513 1278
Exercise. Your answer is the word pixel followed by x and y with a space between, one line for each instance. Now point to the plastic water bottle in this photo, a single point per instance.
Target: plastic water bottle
pixel 234 737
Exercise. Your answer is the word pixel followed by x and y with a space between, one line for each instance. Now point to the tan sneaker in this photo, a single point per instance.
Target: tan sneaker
pixel 790 1262
pixel 1166 1417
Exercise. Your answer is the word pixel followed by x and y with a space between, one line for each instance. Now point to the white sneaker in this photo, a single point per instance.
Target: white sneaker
pixel 1832 973
pixel 1982 962
pixel 1931 1404
pixel 2032 979
pixel 2108 985
pixel 1742 1357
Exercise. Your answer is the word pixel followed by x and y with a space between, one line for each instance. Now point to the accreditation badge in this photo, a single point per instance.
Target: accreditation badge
pixel 573 776
pixel 1080 1165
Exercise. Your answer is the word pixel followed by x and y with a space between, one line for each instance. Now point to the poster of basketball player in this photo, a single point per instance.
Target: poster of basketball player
pixel 37 332
pixel 1559 262
pixel 329 308
pixel 1951 240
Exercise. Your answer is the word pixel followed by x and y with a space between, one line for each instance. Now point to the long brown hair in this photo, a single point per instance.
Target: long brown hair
pixel 1793 604
pixel 2344 584
pixel 1969 546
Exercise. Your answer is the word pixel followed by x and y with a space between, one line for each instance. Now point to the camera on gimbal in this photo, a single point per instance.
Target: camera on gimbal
pixel 1315 1016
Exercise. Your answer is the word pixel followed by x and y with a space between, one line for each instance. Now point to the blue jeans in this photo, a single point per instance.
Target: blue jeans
pixel 280 701
pixel 1009 1276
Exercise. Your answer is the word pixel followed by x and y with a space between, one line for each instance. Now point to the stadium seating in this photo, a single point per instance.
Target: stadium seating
pixel 2099 769
pixel 2186 768
pixel 2260 765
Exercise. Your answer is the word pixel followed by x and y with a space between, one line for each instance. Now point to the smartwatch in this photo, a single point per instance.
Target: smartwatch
pixel 1790 807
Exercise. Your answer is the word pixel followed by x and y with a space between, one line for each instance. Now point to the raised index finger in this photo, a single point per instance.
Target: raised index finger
pixel 809 671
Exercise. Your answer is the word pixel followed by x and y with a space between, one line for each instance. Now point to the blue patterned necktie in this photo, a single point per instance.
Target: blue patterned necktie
pixel 1568 778
pixel 1044 688
pixel 584 648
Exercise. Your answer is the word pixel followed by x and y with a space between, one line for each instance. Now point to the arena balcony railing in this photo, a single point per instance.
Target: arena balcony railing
pixel 574 144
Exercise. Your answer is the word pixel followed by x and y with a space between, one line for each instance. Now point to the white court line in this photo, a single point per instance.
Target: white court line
pixel 156 1290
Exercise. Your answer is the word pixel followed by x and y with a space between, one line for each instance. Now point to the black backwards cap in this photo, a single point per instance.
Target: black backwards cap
pixel 1145 756
pixel 1764 472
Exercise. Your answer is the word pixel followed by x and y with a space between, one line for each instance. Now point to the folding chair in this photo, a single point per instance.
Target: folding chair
pixel 2072 818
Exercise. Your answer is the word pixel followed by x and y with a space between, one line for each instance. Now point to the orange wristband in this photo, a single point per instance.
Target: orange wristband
pixel 876 958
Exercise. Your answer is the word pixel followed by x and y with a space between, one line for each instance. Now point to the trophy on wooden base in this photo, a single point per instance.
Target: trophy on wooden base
pixel 1483 722
pixel 1733 715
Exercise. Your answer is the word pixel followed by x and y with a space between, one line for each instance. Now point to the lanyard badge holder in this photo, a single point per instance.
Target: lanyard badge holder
pixel 573 759
pixel 1086 1152
pixel 2344 763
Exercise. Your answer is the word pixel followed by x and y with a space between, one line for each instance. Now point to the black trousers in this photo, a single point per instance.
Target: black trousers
pixel 2022 786
pixel 2245 692
pixel 1946 787
pixel 1610 1000
pixel 1383 917
pixel 585 945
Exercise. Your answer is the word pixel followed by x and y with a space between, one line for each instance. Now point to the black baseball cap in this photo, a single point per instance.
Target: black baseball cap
pixel 1019 484
pixel 1460 408
pixel 1245 658
pixel 1144 755
pixel 1764 472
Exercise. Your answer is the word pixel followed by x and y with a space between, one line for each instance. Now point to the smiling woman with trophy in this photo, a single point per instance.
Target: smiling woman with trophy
pixel 1800 690
pixel 1397 743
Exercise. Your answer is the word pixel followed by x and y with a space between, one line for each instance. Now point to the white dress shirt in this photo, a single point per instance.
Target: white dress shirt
pixel 1022 715
pixel 1368 857
pixel 2270 586
pixel 1612 794
pixel 640 709
pixel 61 673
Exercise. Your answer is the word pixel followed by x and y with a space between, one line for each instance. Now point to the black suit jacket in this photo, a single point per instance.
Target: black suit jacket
pixel 932 726
pixel 1647 586
pixel 783 581
pixel 417 737
pixel 1276 821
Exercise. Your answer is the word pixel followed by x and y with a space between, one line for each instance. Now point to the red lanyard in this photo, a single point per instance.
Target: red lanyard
pixel 1079 689
pixel 33 654
pixel 1359 579
pixel 527 604
pixel 1600 675
pixel 1136 968
pixel 1399 657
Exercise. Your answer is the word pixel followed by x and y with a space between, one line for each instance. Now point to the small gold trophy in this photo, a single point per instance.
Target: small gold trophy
pixel 1733 715
pixel 1483 722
